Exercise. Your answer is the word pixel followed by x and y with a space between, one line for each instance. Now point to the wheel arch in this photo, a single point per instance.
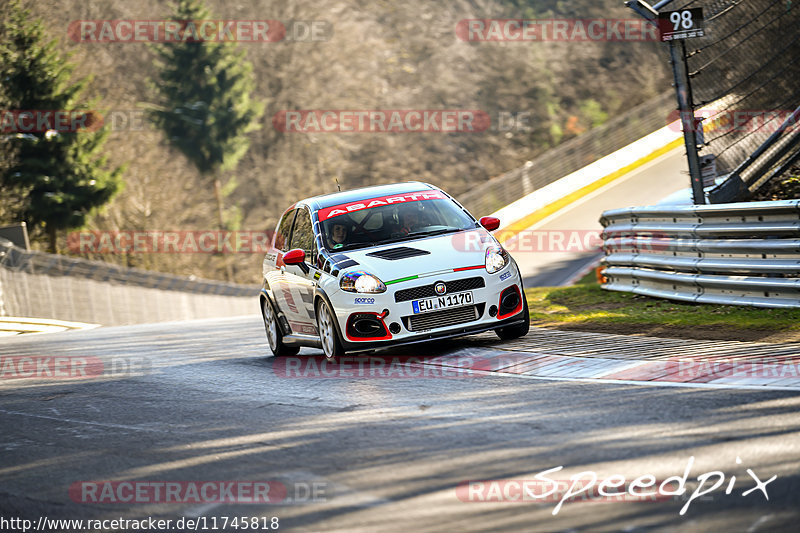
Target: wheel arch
pixel 321 295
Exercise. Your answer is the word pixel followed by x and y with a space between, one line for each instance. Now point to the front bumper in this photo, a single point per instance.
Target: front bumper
pixel 394 314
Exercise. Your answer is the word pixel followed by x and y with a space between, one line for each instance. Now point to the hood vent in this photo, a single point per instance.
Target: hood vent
pixel 401 252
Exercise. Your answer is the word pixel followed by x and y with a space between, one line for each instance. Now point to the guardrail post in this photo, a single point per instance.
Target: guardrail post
pixel 683 91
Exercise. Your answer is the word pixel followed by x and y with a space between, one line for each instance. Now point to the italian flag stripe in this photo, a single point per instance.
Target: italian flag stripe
pixel 467 268
pixel 429 274
pixel 399 280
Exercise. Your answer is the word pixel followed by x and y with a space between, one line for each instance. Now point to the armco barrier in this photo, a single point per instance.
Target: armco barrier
pixel 741 254
pixel 36 284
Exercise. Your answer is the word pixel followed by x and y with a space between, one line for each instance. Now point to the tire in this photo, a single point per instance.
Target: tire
pixel 326 325
pixel 514 332
pixel 274 335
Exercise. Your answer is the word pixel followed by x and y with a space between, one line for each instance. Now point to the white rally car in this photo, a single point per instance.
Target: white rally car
pixel 386 265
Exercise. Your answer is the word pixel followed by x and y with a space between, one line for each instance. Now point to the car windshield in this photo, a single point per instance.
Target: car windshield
pixel 384 224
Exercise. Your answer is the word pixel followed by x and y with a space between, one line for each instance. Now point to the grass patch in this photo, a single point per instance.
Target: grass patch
pixel 587 304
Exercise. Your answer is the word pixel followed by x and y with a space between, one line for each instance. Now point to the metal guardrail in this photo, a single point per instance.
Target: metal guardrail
pixel 570 156
pixel 33 262
pixel 740 254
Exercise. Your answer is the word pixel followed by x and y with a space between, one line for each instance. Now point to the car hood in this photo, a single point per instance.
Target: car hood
pixel 441 253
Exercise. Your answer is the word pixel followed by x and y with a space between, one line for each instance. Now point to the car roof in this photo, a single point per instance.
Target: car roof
pixel 344 197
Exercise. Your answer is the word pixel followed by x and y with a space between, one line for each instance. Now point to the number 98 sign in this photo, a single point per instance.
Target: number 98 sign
pixel 681 24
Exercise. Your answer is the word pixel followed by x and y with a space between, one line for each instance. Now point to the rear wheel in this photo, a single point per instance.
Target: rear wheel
pixel 274 335
pixel 331 344
pixel 519 330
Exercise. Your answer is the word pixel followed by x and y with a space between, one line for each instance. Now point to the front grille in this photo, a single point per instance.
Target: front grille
pixel 441 319
pixel 427 291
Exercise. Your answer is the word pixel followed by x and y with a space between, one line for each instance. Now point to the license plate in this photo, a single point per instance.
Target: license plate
pixel 458 299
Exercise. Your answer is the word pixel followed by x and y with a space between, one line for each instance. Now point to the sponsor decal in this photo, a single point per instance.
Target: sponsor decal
pixel 505 276
pixel 364 301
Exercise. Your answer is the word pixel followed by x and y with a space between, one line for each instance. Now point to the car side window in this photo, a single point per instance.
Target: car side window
pixel 284 230
pixel 303 234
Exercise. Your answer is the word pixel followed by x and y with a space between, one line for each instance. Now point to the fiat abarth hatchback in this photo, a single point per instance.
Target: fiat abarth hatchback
pixel 386 265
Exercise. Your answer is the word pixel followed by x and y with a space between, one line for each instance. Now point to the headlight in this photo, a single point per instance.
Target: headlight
pixel 361 282
pixel 496 259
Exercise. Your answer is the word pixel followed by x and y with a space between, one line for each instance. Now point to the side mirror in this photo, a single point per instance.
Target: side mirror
pixel 490 223
pixel 296 257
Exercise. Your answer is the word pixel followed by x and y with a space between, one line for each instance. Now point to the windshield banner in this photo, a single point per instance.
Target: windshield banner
pixel 343 209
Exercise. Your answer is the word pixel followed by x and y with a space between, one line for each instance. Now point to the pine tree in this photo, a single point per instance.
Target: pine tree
pixel 204 103
pixel 56 178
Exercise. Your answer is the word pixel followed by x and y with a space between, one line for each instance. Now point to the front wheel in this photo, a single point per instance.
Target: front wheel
pixel 274 335
pixel 331 344
pixel 520 330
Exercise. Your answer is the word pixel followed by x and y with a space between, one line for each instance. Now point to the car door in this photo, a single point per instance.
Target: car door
pixel 297 283
pixel 274 268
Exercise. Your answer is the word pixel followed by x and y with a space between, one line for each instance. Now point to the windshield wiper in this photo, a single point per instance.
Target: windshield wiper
pixel 434 232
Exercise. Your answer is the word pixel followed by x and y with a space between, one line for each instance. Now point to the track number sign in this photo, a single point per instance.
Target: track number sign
pixel 681 24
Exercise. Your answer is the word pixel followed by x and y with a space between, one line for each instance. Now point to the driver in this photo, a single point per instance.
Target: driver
pixel 410 221
pixel 337 234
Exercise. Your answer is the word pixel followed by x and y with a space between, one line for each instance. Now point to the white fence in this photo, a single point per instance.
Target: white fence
pixel 34 284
